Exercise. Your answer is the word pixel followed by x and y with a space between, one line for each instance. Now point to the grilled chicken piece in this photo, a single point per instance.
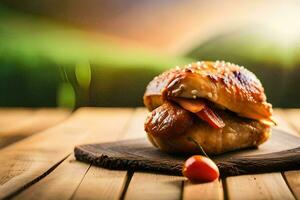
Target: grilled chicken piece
pixel 168 120
pixel 173 129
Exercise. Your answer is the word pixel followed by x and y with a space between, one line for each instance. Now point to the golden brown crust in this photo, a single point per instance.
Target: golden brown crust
pixel 225 84
pixel 237 134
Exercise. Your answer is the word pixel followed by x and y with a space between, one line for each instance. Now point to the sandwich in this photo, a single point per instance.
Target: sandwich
pixel 213 106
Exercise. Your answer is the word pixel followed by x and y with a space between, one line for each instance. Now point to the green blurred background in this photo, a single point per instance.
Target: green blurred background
pixel 103 53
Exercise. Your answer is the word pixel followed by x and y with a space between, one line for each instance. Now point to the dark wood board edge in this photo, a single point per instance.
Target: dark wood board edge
pixel 272 162
pixel 116 163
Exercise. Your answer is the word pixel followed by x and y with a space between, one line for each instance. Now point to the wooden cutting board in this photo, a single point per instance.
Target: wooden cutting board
pixel 280 153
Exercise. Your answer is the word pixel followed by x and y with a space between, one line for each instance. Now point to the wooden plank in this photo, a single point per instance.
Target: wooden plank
pixel 25 162
pixel 293 118
pixel 256 187
pixel 109 184
pixel 99 182
pixel 58 184
pixel 70 173
pixel 293 180
pixel 10 116
pixel 29 121
pixel 282 122
pixel 154 186
pixel 209 191
pixel 293 177
pixel 17 124
pixel 136 126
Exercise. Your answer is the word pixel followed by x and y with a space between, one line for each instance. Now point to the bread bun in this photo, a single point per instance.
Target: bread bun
pixel 227 85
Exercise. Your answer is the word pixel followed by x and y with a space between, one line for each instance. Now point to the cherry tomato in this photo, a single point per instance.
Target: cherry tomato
pixel 200 169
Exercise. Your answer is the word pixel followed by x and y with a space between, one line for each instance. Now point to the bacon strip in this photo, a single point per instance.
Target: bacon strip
pixel 199 107
pixel 211 118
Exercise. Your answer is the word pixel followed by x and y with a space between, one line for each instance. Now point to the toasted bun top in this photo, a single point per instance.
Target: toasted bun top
pixel 225 84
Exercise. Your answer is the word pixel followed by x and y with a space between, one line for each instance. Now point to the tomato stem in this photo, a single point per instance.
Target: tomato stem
pixel 203 153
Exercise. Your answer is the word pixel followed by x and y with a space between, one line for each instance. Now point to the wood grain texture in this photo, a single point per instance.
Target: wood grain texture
pixel 9 116
pixel 138 154
pixel 154 186
pixel 292 116
pixel 109 183
pixel 24 162
pixel 101 183
pixel 17 124
pixel 256 187
pixel 293 180
pixel 209 191
pixel 58 184
pixel 293 177
pixel 70 173
pixel 28 121
pixel 282 122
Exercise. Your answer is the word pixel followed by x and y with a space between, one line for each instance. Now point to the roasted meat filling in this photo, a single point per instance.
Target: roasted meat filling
pixel 168 120
pixel 171 120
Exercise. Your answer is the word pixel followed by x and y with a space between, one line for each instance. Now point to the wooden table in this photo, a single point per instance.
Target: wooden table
pixel 37 161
